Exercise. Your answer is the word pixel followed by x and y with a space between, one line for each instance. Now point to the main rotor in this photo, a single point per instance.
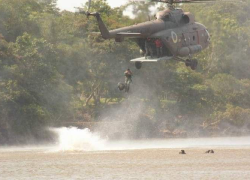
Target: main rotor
pixel 171 2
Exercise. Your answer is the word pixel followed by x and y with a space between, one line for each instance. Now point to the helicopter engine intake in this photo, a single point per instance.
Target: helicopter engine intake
pixel 185 51
pixel 187 18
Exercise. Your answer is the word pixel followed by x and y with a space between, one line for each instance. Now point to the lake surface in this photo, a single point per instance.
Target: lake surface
pixel 95 158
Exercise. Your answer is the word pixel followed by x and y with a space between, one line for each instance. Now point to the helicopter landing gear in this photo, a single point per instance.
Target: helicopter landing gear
pixel 138 65
pixel 192 63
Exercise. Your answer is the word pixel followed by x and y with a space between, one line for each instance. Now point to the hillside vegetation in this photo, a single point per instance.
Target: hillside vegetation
pixel 53 69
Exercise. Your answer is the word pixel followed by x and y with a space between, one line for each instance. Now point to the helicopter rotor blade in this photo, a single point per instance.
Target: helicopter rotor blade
pixel 206 1
pixel 185 1
pixel 182 1
pixel 175 1
pixel 195 1
pixel 82 11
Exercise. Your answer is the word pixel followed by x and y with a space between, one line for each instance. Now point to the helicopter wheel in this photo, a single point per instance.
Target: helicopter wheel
pixel 194 64
pixel 138 65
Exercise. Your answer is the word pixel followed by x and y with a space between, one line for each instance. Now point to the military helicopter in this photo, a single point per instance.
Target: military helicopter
pixel 180 35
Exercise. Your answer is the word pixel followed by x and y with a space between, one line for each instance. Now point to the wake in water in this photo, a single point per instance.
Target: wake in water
pixel 74 139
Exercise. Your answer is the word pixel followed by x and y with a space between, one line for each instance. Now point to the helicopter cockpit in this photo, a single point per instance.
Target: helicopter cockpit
pixel 174 15
pixel 163 15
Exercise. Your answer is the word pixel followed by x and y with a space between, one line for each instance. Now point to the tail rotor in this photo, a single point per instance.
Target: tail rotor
pixel 82 11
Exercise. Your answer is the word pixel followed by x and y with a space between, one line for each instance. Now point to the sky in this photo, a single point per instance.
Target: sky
pixel 70 4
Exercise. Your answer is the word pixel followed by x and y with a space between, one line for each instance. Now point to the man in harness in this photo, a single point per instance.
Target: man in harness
pixel 128 79
pixel 149 48
pixel 158 45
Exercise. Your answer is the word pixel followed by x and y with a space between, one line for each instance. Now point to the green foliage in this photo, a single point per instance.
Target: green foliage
pixel 54 69
pixel 141 10
pixel 32 90
pixel 234 116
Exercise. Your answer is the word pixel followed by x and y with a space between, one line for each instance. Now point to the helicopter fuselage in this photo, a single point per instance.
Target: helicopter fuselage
pixel 178 31
pixel 180 34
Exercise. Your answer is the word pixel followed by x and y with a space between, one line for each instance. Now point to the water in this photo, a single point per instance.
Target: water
pixel 80 154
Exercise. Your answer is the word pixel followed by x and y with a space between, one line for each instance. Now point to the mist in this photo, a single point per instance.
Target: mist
pixel 74 139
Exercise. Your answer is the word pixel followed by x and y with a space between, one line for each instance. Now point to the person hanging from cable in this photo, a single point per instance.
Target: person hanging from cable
pixel 158 45
pixel 128 79
pixel 148 48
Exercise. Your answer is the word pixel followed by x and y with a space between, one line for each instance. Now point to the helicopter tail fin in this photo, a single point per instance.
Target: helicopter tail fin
pixel 104 31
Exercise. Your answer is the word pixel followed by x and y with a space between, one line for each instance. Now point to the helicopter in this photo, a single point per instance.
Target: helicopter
pixel 181 36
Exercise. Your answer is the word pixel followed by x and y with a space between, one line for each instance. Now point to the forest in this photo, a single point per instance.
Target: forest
pixel 54 70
